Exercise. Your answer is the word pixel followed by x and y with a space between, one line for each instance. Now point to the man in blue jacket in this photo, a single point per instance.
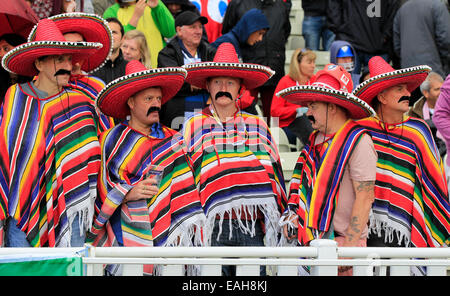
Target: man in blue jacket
pixel 250 29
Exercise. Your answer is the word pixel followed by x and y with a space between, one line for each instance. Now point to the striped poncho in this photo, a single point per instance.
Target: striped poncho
pixel 411 198
pixel 237 168
pixel 172 217
pixel 91 86
pixel 315 183
pixel 49 162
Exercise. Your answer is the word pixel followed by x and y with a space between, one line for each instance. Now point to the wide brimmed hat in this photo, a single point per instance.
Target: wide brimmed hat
pixel 112 100
pixel 48 41
pixel 330 85
pixel 383 76
pixel 226 64
pixel 93 28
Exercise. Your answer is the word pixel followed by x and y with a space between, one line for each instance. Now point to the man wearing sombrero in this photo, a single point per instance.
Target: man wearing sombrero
pixel 236 163
pixel 130 209
pixel 411 206
pixel 49 149
pixel 332 187
pixel 80 27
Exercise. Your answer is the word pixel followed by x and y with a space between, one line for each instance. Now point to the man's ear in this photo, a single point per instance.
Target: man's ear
pixel 130 102
pixel 382 97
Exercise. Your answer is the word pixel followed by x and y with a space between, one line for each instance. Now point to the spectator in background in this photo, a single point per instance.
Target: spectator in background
pixel 424 107
pixel 187 47
pixel 343 54
pixel 430 46
pixel 366 25
pixel 441 119
pixel 115 65
pixel 134 47
pixel 151 17
pixel 271 50
pixel 47 8
pixel 101 5
pixel 292 118
pixel 314 25
pixel 8 42
pixel 178 6
pixel 249 30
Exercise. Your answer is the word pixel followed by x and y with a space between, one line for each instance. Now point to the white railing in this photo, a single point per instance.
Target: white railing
pixel 322 257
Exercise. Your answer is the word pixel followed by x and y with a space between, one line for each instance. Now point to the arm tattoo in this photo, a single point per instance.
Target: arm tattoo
pixel 365 186
pixel 354 225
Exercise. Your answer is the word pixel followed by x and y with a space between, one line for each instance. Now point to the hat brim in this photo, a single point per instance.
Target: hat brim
pixel 20 60
pixel 304 94
pixel 252 75
pixel 92 28
pixel 412 76
pixel 112 100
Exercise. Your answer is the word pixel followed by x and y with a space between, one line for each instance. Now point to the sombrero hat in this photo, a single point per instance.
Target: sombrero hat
pixel 330 85
pixel 226 64
pixel 112 100
pixel 48 41
pixel 383 76
pixel 92 27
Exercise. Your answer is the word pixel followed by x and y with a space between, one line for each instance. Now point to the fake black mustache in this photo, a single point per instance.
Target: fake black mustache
pixel 62 72
pixel 223 94
pixel 311 118
pixel 404 98
pixel 153 109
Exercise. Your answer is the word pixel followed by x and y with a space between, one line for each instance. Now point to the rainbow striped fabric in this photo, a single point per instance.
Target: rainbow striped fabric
pixel 91 86
pixel 49 162
pixel 314 187
pixel 237 169
pixel 411 198
pixel 172 217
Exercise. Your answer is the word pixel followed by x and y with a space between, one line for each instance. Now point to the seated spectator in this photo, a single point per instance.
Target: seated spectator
pixel 134 47
pixel 291 117
pixel 187 47
pixel 115 64
pixel 424 107
pixel 343 54
pixel 148 16
pixel 250 29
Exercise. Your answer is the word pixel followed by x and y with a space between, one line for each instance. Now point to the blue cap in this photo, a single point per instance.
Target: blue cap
pixel 345 51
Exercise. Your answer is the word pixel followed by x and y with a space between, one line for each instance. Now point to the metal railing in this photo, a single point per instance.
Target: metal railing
pixel 323 257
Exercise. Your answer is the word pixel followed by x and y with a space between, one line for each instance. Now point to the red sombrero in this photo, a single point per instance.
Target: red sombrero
pixel 330 85
pixel 48 41
pixel 92 27
pixel 112 100
pixel 383 76
pixel 226 63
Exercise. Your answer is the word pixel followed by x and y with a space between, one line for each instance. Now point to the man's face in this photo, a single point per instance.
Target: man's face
pixel 191 34
pixel 141 103
pixel 394 98
pixel 222 88
pixel 346 62
pixel 116 35
pixel 130 50
pixel 174 8
pixel 75 37
pixel 4 48
pixel 317 114
pixel 50 65
pixel 256 36
pixel 435 90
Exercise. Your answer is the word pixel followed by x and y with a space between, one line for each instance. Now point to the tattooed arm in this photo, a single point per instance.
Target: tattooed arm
pixel 364 191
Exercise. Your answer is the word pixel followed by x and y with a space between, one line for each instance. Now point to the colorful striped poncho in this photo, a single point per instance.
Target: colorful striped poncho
pixel 172 217
pixel 49 162
pixel 237 169
pixel 411 198
pixel 315 183
pixel 91 86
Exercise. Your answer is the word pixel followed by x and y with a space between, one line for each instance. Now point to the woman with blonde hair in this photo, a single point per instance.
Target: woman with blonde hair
pixel 301 69
pixel 134 47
